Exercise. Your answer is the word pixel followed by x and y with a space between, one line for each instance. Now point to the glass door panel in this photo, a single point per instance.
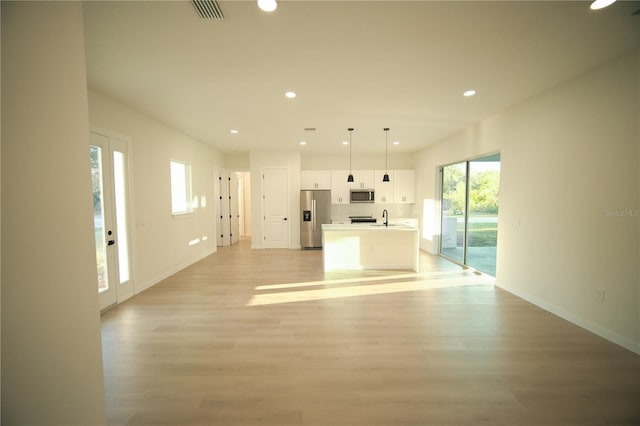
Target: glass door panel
pixel 482 218
pixel 101 176
pixel 98 217
pixel 119 184
pixel 453 205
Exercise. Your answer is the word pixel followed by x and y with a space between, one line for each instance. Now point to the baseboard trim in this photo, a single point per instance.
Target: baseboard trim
pixel 580 322
pixel 150 283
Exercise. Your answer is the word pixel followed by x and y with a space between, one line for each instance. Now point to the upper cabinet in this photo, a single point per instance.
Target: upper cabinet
pixel 339 187
pixel 400 190
pixel 384 190
pixel 363 179
pixel 404 186
pixel 315 179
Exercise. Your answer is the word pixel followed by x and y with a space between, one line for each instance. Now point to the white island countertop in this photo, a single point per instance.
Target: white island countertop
pixel 370 246
pixel 368 227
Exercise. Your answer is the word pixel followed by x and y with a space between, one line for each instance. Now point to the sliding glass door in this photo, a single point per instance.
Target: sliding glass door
pixel 470 212
pixel 454 206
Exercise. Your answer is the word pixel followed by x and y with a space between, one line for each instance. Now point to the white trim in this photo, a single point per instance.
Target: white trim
pixel 110 134
pixel 184 215
pixel 580 322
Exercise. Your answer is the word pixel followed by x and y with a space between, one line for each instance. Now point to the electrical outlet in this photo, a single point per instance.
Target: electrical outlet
pixel 599 295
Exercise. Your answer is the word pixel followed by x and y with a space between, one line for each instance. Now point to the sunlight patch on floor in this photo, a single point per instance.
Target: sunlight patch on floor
pixel 409 275
pixel 360 290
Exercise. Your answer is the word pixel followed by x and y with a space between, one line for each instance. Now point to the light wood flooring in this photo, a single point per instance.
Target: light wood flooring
pixel 264 337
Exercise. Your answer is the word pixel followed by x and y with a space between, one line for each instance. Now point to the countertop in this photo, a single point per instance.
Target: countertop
pixel 367 227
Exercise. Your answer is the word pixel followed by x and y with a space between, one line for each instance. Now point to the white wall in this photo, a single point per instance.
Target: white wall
pixel 265 159
pixel 161 242
pixel 51 348
pixel 358 161
pixel 570 162
pixel 473 142
pixel 236 161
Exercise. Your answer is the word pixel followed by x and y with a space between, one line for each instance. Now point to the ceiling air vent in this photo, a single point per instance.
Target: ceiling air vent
pixel 208 9
pixel 309 129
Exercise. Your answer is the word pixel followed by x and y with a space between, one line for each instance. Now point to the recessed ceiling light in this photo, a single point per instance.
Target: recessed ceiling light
pixel 345 142
pixel 290 95
pixel 601 4
pixel 303 143
pixel 234 131
pixel 469 93
pixel 396 142
pixel 267 5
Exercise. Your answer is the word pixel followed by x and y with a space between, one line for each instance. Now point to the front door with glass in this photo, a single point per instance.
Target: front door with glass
pixel 110 217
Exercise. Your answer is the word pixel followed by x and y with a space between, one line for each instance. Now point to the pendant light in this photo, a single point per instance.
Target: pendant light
pixel 267 5
pixel 350 177
pixel 385 178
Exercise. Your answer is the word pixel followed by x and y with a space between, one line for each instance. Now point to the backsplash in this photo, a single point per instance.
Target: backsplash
pixel 374 210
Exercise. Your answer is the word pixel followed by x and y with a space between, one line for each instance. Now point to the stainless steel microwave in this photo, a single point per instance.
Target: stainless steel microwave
pixel 362 196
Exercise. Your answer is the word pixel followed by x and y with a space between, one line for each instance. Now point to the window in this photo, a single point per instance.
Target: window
pixel 180 188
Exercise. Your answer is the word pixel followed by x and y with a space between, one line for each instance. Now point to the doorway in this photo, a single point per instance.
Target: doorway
pixel 233 206
pixel 469 212
pixel 109 180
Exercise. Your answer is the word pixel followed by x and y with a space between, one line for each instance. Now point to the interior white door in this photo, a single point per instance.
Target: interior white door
pixel 224 229
pixel 275 196
pixel 234 213
pixel 109 173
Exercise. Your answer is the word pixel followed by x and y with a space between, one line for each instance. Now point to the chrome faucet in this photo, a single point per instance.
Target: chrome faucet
pixel 385 216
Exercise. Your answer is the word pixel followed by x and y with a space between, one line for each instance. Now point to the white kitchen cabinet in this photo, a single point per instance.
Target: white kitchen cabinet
pixel 363 179
pixel 384 190
pixel 339 187
pixel 404 186
pixel 357 247
pixel 315 179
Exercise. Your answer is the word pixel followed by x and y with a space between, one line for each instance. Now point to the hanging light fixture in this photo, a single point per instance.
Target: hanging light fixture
pixel 350 177
pixel 267 5
pixel 385 178
pixel 601 4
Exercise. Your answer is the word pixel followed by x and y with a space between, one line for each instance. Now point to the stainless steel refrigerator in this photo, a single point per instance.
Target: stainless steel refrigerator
pixel 315 209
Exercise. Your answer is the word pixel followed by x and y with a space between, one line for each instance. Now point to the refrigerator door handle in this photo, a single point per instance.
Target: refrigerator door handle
pixel 313 214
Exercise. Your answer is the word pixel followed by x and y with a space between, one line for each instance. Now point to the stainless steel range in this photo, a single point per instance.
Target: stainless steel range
pixel 362 219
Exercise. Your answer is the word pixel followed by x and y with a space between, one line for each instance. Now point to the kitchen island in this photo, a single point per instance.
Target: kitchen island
pixel 367 246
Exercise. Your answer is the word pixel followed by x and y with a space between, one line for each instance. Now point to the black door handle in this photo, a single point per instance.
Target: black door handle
pixel 111 242
pixel 285 218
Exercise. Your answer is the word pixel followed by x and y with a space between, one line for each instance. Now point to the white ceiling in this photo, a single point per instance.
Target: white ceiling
pixel 361 64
